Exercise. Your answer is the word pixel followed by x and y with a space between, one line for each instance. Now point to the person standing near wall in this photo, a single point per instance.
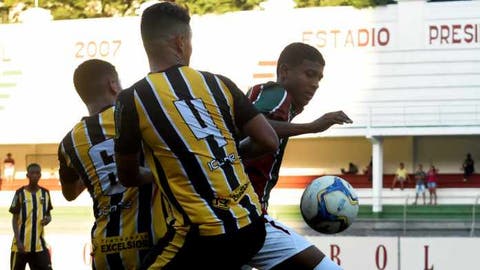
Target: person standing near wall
pixel 420 177
pixel 9 167
pixel 432 179
pixel 468 167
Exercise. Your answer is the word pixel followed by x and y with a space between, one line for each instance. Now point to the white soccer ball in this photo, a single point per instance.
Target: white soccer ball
pixel 329 204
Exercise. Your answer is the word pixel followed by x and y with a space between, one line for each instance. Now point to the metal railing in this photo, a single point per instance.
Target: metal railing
pixel 472 230
pixel 404 201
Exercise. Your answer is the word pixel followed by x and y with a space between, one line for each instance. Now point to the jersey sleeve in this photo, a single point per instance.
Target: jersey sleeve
pixel 243 108
pixel 67 173
pixel 49 204
pixel 272 100
pixel 127 131
pixel 16 203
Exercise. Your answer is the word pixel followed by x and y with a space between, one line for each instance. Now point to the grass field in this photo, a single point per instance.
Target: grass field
pixel 65 220
pixel 79 219
pixel 391 212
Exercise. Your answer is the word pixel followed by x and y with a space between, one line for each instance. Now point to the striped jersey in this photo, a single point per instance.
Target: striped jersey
pixel 275 103
pixel 188 122
pixel 31 207
pixel 123 230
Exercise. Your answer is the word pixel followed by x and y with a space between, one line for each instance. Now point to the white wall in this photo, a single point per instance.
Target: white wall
pixel 373 253
pixel 386 66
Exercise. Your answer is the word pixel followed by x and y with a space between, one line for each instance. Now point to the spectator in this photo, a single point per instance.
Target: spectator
pixel 401 175
pixel 9 167
pixel 368 171
pixel 352 169
pixel 420 177
pixel 432 184
pixel 468 167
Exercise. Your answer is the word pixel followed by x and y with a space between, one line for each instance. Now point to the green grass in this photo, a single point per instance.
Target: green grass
pixel 79 219
pixel 391 212
pixel 65 220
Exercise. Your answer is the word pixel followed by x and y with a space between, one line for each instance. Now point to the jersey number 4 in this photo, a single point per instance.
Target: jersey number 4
pixel 199 120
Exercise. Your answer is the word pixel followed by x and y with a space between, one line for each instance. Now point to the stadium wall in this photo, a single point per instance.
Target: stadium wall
pixel 376 253
pixel 404 69
pixel 313 156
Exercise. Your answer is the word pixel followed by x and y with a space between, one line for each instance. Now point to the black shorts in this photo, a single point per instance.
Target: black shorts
pixel 227 251
pixel 36 260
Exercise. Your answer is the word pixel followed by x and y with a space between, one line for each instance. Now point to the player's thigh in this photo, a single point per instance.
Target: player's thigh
pixel 40 261
pixel 282 244
pixel 18 261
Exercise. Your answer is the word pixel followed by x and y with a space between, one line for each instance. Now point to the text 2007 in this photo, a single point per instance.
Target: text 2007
pixel 93 49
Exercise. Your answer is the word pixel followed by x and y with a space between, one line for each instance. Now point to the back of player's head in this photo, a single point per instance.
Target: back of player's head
pixel 92 77
pixel 32 166
pixel 295 53
pixel 162 21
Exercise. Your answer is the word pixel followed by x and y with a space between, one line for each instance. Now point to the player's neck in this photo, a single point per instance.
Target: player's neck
pixel 33 187
pixel 97 107
pixel 162 63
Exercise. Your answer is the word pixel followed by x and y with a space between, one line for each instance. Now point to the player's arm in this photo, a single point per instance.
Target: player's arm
pixel 72 184
pixel 261 138
pixel 15 210
pixel 47 217
pixel 15 221
pixel 128 143
pixel 285 129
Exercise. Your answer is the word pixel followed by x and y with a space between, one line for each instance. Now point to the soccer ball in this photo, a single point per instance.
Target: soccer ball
pixel 329 204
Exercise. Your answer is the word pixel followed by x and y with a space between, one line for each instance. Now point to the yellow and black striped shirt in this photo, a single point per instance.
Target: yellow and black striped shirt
pixel 187 121
pixel 31 207
pixel 123 230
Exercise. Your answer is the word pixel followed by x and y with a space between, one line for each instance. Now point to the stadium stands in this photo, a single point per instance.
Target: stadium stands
pixel 450 180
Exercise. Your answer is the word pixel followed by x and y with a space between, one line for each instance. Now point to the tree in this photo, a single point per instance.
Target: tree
pixel 77 9
pixel 354 3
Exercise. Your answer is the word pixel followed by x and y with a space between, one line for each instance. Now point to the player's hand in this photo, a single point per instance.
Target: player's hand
pixel 329 119
pixel 46 220
pixel 20 247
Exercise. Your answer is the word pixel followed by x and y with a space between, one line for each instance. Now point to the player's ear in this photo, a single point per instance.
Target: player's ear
pixel 282 71
pixel 180 41
pixel 114 85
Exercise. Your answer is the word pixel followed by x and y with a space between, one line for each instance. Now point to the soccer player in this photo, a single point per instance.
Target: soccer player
pixel 299 70
pixel 188 123
pixel 31 208
pixel 124 230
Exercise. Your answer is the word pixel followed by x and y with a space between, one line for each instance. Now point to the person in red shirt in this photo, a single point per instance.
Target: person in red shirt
pixel 432 179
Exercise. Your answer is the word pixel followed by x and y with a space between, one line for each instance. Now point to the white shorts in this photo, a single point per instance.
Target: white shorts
pixel 420 188
pixel 281 243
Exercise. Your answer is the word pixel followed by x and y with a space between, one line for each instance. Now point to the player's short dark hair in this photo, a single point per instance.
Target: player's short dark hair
pixel 294 54
pixel 163 20
pixel 88 78
pixel 33 165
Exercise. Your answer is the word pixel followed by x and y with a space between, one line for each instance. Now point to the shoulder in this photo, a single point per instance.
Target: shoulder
pixel 269 96
pixel 44 189
pixel 224 79
pixel 19 190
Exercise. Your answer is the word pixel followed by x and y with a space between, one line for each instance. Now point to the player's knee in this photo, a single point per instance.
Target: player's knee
pixel 327 264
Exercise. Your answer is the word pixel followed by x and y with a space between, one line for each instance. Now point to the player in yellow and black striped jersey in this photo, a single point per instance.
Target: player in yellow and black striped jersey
pixel 188 123
pixel 123 231
pixel 31 208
